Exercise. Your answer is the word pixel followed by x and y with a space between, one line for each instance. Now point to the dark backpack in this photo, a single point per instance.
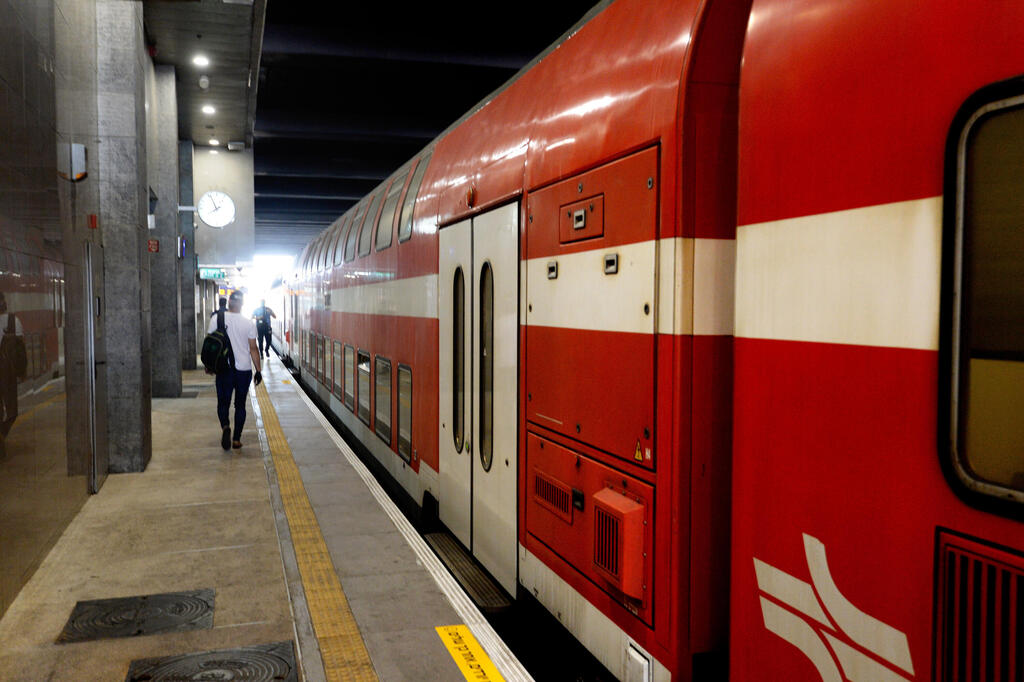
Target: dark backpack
pixel 217 355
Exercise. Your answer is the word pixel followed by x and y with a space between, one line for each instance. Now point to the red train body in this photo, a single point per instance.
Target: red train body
pixel 665 330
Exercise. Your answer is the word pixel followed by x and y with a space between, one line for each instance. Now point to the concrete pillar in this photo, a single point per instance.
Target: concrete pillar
pixel 187 230
pixel 122 66
pixel 164 265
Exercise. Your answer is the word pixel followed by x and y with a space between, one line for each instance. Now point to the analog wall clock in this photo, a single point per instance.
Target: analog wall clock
pixel 216 209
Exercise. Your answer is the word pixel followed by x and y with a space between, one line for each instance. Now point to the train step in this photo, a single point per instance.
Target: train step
pixel 481 588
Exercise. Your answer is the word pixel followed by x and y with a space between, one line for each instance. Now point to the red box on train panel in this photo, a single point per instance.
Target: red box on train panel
pixel 596 519
pixel 628 189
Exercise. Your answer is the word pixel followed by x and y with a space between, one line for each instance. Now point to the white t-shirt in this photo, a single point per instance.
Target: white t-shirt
pixel 240 330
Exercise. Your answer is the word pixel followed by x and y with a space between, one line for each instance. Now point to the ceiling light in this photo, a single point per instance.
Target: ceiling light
pixel 208 109
pixel 204 82
pixel 214 142
pixel 200 60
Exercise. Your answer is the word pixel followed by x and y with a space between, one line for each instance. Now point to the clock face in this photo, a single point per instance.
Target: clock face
pixel 216 209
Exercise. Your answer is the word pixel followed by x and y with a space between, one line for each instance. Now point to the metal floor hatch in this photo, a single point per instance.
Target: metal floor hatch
pixel 260 663
pixel 142 615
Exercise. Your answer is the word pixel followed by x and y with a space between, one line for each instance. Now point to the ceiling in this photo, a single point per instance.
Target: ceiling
pixel 334 96
pixel 349 91
pixel 227 33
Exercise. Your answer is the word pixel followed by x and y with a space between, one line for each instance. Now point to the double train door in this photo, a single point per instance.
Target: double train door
pixel 478 292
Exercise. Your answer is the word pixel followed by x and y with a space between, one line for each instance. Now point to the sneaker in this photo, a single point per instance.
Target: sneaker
pixel 225 438
pixel 236 444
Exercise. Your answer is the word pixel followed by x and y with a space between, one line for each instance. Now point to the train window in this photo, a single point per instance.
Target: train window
pixel 338 376
pixel 405 412
pixel 987 295
pixel 386 224
pixel 366 233
pixel 382 399
pixel 325 345
pixel 339 247
pixel 350 377
pixel 405 221
pixel 364 387
pixel 350 239
pixel 458 358
pixel 486 364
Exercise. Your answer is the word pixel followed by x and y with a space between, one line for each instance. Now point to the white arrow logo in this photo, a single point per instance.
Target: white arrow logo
pixel 806 626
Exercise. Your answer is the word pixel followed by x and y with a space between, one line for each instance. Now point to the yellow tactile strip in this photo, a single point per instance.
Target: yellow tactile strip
pixel 341 646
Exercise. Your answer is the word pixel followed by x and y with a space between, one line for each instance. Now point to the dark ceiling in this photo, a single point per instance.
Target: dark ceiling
pixel 349 91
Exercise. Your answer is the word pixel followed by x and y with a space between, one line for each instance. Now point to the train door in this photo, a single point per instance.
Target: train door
pixel 95 365
pixel 479 332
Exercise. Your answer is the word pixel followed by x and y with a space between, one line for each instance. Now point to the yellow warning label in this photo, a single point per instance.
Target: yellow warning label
pixel 638 455
pixel 468 653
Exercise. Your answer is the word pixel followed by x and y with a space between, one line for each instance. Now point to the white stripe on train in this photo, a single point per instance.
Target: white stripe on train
pixel 866 276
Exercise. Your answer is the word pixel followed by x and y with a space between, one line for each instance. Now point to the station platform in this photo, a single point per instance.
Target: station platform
pixel 280 560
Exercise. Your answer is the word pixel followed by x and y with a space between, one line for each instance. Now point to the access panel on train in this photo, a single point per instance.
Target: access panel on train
pixel 590 315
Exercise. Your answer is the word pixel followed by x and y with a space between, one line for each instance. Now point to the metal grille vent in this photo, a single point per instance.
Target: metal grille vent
pixel 980 615
pixel 554 495
pixel 606 541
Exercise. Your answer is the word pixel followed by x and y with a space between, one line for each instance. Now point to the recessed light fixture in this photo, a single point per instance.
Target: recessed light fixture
pixel 214 142
pixel 208 109
pixel 201 60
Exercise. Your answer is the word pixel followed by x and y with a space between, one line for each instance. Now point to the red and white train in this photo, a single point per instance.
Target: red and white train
pixel 708 331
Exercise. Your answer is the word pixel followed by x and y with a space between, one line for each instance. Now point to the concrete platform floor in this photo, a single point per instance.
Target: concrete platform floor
pixel 198 517
pixel 201 517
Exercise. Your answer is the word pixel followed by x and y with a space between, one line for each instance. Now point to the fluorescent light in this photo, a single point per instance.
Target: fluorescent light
pixel 201 60
pixel 208 109
pixel 214 142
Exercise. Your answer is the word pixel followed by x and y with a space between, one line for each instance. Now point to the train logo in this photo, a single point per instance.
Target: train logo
pixel 818 613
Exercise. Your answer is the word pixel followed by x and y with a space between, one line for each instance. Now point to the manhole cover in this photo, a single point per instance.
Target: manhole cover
pixel 262 663
pixel 144 615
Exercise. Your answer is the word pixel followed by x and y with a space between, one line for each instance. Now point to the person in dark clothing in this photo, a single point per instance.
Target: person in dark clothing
pixel 242 335
pixel 10 371
pixel 222 304
pixel 262 316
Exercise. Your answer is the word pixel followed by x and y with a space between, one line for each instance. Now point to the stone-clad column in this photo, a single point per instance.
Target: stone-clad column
pixel 187 230
pixel 121 65
pixel 164 265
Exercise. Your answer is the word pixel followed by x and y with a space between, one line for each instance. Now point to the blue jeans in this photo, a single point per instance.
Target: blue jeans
pixel 235 381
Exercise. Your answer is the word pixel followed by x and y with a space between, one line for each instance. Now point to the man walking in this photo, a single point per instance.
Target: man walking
pixel 262 316
pixel 242 336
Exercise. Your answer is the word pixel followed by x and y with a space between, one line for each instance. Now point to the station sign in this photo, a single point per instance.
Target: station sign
pixel 212 273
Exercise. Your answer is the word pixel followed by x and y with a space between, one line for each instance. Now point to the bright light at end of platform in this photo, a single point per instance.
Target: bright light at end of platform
pixel 201 60
pixel 208 109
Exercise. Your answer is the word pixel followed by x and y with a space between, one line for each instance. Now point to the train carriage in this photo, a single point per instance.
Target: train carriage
pixel 878 461
pixel 531 327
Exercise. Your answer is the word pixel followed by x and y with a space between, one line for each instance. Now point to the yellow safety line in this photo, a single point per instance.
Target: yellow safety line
pixel 468 654
pixel 341 646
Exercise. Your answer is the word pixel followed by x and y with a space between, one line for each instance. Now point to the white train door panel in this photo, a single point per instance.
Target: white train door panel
pixel 454 293
pixel 495 381
pixel 479 332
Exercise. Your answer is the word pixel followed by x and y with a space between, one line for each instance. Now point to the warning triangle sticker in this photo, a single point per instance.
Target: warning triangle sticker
pixel 638 455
